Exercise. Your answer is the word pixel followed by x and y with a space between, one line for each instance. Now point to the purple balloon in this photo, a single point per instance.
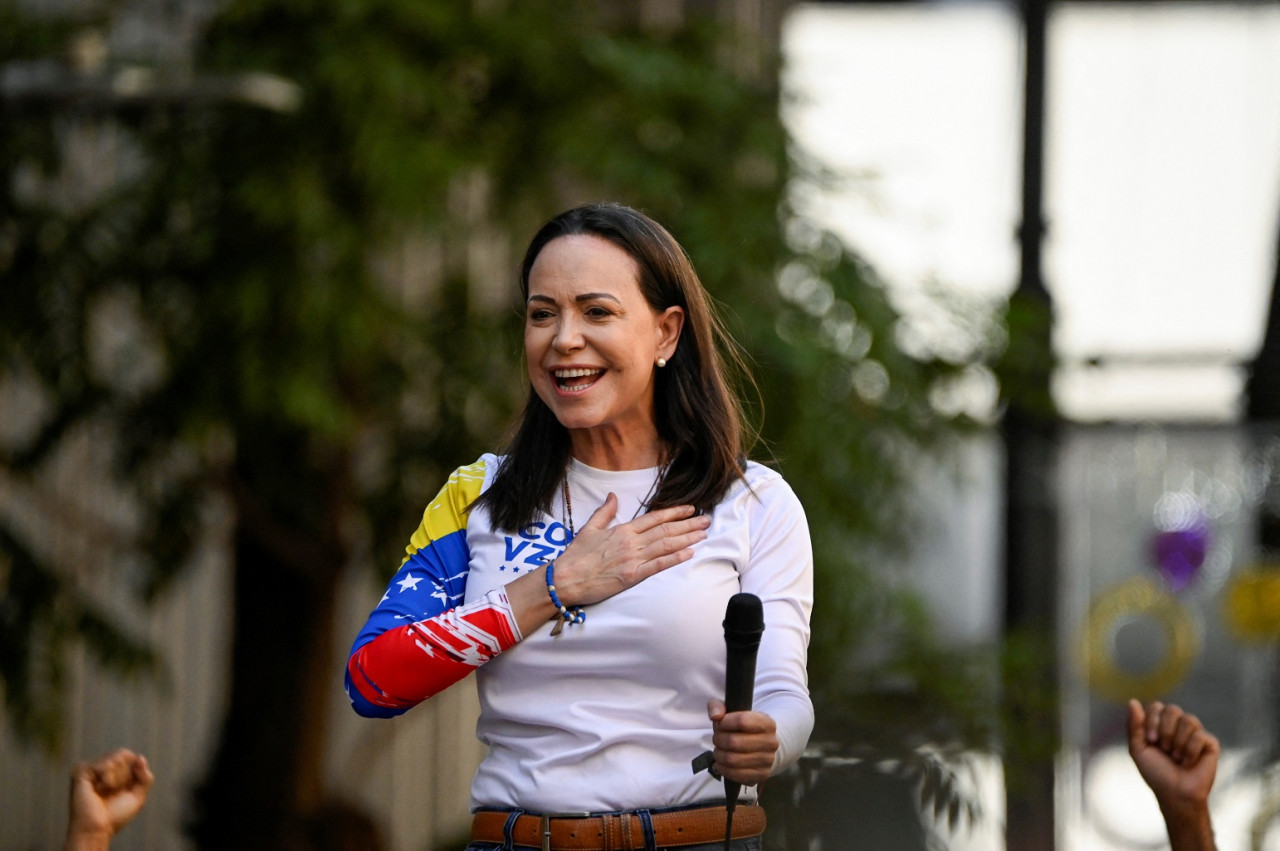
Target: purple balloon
pixel 1179 554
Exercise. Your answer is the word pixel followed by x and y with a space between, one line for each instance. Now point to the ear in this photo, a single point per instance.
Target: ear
pixel 670 323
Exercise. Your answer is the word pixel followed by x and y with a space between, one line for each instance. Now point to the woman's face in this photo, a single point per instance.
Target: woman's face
pixel 592 341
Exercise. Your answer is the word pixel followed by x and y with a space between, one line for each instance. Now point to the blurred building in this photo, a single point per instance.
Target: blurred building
pixel 1163 122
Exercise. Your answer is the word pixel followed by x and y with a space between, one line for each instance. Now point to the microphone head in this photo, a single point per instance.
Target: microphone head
pixel 743 620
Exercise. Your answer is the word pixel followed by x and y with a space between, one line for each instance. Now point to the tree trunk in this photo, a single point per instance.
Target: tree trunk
pixel 266 780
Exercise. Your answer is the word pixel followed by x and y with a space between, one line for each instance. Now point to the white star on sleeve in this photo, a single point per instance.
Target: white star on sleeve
pixel 409 583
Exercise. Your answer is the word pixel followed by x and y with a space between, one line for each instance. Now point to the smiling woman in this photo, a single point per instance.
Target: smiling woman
pixel 625 496
pixel 592 341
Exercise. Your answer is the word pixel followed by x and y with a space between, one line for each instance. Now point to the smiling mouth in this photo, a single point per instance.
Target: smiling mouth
pixel 572 380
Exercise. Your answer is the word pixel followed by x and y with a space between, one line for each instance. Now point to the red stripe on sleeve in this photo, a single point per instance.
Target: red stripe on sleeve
pixel 405 666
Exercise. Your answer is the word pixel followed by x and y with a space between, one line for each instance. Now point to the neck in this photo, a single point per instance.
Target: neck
pixel 603 453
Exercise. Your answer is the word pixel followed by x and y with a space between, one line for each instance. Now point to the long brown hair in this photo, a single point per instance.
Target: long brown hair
pixel 697 416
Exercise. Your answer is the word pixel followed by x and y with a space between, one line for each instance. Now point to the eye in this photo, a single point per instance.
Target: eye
pixel 596 311
pixel 539 314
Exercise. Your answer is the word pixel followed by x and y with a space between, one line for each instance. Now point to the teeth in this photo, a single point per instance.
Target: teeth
pixel 565 376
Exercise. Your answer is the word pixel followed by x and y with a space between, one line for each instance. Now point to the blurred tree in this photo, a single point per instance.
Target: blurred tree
pixel 47 228
pixel 318 325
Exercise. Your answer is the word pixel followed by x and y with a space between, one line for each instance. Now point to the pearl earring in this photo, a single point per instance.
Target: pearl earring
pixel 662 362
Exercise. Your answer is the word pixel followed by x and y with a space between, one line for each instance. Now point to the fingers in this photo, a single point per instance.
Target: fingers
pixel 1191 742
pixel 142 775
pixel 663 531
pixel 1179 734
pixel 1137 727
pixel 603 516
pixel 603 561
pixel 119 771
pixel 115 770
pixel 672 536
pixel 1155 710
pixel 1173 729
pixel 745 722
pixel 672 551
pixel 1200 745
pixel 1187 727
pixel 652 519
pixel 744 744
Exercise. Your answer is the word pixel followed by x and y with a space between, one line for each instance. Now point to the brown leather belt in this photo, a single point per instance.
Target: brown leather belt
pixel 615 832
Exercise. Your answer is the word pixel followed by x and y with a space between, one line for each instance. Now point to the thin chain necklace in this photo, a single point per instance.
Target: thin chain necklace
pixel 644 503
pixel 576 612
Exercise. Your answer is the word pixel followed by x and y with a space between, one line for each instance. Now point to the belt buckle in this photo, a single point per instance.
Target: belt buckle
pixel 545 823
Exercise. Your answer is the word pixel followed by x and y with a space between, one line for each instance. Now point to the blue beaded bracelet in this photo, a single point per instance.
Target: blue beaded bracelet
pixel 570 615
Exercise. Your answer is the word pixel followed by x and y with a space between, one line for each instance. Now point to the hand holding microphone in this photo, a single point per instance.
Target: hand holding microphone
pixel 744 741
pixel 745 745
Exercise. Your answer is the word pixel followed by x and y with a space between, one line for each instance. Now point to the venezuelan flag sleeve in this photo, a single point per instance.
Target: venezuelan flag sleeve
pixel 420 640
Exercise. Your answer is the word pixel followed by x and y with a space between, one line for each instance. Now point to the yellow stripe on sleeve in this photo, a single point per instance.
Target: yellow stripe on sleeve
pixel 448 512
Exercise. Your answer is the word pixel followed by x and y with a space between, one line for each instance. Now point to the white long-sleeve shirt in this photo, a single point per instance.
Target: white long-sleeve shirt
pixel 608 714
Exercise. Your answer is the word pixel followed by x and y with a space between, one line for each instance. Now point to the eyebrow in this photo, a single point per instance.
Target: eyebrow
pixel 578 298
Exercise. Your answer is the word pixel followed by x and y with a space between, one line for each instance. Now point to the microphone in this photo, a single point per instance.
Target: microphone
pixel 743 625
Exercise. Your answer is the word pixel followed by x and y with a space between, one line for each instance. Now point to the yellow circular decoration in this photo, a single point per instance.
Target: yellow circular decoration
pixel 1251 605
pixel 1136 598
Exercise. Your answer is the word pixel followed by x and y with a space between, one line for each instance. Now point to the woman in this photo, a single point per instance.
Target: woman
pixel 583 574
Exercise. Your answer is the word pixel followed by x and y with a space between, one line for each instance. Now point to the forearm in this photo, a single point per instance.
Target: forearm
pixel 793 715
pixel 78 840
pixel 1190 826
pixel 406 665
pixel 780 573
pixel 530 601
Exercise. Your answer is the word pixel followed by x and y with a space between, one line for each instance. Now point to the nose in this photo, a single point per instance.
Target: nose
pixel 568 336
